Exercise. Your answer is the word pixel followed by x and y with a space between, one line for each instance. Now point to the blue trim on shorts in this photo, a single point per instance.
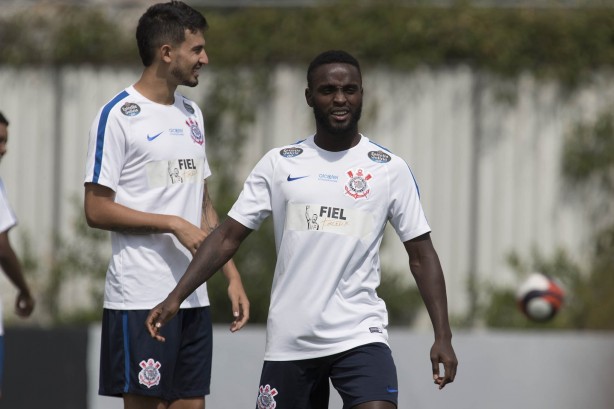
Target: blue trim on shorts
pixel 126 351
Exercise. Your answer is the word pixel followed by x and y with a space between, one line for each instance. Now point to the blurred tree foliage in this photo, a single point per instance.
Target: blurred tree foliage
pixel 83 254
pixel 566 44
pixel 588 167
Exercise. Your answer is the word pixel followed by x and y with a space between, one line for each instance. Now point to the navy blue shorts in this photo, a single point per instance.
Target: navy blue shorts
pixel 362 374
pixel 132 362
pixel 1 361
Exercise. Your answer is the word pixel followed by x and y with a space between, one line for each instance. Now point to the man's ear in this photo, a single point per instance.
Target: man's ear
pixel 165 53
pixel 309 97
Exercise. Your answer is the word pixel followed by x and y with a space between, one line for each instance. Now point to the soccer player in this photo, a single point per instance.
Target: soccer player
pixel 325 318
pixel 157 218
pixel 24 304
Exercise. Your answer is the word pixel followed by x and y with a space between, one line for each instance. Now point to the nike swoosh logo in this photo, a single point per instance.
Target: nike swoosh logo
pixel 291 179
pixel 151 138
pixel 392 390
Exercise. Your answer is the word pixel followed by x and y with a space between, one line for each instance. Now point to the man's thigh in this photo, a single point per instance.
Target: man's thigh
pixel 133 363
pixel 365 374
pixel 299 384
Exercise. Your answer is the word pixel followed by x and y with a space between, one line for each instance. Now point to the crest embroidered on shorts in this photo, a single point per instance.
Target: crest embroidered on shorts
pixel 150 374
pixel 357 186
pixel 266 397
pixel 197 136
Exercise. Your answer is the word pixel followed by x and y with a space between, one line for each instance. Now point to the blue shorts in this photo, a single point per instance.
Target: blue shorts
pixel 1 361
pixel 132 362
pixel 362 374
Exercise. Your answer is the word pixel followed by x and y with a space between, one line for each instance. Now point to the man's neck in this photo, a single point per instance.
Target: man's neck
pixel 336 143
pixel 156 88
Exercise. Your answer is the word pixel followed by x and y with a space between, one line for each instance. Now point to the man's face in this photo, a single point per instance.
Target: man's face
pixel 189 57
pixel 336 98
pixel 4 137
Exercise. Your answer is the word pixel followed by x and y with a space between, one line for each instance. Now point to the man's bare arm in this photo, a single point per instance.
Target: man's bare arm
pixel 102 212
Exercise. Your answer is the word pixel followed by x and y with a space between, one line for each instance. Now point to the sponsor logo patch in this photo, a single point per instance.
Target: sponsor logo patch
pixel 328 178
pixel 375 329
pixel 290 152
pixel 130 109
pixel 150 373
pixel 328 218
pixel 379 157
pixel 188 107
pixel 266 397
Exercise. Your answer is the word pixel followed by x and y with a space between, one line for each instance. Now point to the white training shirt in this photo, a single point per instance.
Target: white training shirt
pixel 329 212
pixel 7 221
pixel 153 157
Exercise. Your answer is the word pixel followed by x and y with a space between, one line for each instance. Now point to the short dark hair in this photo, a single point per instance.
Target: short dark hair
pixel 166 23
pixel 3 120
pixel 331 57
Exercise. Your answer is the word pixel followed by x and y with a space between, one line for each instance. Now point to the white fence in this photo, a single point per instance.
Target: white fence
pixel 488 166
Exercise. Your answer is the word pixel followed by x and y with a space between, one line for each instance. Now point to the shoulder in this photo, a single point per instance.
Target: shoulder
pixel 292 150
pixel 381 155
pixel 186 104
pixel 288 151
pixel 282 153
pixel 123 105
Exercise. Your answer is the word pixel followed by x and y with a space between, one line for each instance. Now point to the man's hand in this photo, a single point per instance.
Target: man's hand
pixel 189 235
pixel 240 305
pixel 442 352
pixel 160 315
pixel 24 304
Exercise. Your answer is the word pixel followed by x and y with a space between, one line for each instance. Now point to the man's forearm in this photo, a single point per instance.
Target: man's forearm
pixel 102 212
pixel 431 285
pixel 209 258
pixel 12 268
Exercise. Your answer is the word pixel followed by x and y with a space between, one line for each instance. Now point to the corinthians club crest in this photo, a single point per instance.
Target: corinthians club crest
pixel 357 186
pixel 197 136
pixel 150 374
pixel 266 397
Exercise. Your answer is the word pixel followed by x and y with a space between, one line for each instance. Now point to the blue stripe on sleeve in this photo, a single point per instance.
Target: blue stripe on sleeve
pixel 410 172
pixel 102 125
pixel 414 178
pixel 380 146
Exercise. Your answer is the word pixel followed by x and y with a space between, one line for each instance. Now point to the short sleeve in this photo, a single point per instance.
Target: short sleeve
pixel 254 204
pixel 106 150
pixel 405 212
pixel 7 216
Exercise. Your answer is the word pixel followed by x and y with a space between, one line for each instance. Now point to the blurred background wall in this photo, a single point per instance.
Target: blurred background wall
pixel 469 149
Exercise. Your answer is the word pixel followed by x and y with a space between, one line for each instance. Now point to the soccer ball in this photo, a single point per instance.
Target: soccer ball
pixel 539 297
